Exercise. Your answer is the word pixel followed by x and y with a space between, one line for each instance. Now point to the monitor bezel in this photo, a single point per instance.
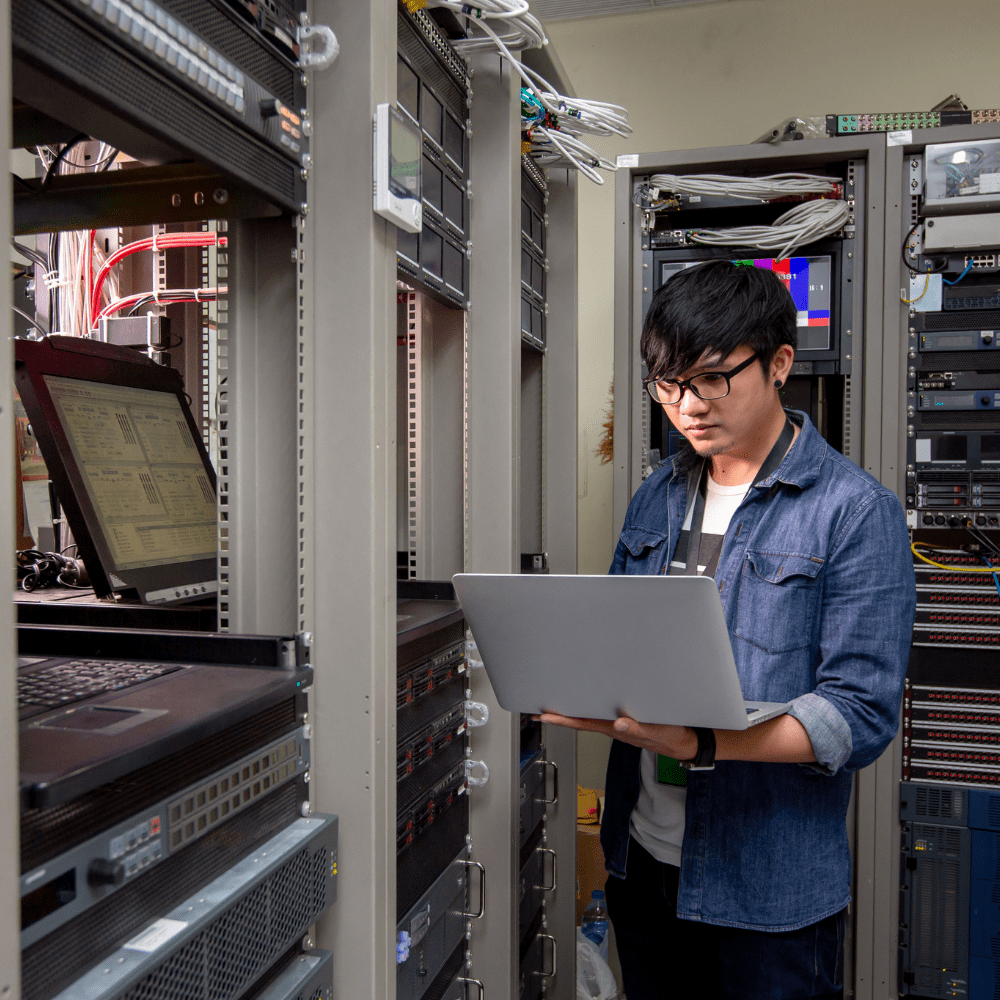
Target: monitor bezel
pixel 94 361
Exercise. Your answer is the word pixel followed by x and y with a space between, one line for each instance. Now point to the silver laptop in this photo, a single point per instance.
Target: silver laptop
pixel 653 648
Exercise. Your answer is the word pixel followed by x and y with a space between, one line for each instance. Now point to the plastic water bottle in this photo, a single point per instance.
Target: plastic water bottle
pixel 594 923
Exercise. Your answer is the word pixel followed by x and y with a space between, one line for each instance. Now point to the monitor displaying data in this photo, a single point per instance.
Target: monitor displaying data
pixel 808 280
pixel 141 470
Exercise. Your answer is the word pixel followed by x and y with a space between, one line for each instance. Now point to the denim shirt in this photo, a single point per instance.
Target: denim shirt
pixel 818 590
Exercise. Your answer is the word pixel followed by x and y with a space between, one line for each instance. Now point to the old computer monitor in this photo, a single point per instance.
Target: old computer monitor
pixel 128 464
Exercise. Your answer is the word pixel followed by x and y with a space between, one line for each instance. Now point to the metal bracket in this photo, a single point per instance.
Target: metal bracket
pixel 476 714
pixel 308 33
pixel 472 765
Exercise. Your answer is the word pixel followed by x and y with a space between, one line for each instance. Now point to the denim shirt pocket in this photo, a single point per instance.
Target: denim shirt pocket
pixel 779 600
pixel 643 547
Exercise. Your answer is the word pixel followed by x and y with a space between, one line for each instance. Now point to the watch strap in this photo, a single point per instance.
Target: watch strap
pixel 704 759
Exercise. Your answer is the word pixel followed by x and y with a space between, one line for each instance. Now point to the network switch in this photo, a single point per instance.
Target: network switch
pixel 69 884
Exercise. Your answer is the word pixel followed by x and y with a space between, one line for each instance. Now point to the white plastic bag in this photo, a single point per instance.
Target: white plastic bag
pixel 594 979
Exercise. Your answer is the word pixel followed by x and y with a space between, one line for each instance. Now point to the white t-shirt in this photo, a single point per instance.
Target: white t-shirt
pixel 658 818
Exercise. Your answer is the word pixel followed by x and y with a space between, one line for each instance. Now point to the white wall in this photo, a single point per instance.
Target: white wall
pixel 723 73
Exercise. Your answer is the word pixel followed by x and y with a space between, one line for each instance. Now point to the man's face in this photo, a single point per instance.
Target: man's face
pixel 726 425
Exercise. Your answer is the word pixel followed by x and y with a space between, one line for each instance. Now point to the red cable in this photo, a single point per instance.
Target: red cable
pixel 164 242
pixel 195 295
pixel 91 244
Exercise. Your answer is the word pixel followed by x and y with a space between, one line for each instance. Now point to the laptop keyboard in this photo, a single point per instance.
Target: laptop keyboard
pixel 64 683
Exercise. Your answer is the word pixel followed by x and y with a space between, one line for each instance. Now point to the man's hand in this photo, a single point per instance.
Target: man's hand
pixel 780 741
pixel 678 742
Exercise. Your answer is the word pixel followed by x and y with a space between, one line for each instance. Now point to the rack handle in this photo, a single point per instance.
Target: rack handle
pixel 555 956
pixel 555 782
pixel 549 888
pixel 473 982
pixel 482 888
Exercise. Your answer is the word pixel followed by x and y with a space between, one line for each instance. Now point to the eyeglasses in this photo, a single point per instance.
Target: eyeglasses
pixel 707 385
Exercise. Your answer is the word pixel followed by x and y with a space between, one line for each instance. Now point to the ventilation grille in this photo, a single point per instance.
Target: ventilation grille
pixel 979 319
pixel 46 833
pixel 244 46
pixel 64 955
pixel 227 956
pixel 980 361
pixel 935 937
pixel 982 420
pixel 444 979
pixel 421 40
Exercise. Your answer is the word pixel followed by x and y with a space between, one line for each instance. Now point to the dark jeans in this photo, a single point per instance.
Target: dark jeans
pixel 663 957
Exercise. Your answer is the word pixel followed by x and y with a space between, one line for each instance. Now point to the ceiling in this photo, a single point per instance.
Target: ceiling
pixel 558 10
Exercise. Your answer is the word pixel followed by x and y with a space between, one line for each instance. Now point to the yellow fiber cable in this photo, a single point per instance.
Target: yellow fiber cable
pixel 953 569
pixel 927 284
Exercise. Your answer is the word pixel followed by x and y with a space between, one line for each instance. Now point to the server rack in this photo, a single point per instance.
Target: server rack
pixel 264 312
pixel 937 434
pixel 863 395
pixel 466 359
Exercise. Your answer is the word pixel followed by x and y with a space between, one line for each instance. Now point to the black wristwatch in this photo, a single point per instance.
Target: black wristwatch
pixel 704 759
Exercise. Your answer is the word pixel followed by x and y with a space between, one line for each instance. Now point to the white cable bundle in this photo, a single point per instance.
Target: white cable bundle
pixel 552 148
pixel 576 115
pixel 800 225
pixel 772 186
pixel 522 30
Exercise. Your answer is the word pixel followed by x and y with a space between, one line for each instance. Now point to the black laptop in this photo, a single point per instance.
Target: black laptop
pixel 97 704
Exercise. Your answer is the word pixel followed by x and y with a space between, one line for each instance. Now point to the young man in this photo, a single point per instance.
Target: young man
pixel 732 882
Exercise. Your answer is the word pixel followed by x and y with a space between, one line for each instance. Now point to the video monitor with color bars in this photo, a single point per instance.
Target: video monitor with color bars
pixel 128 464
pixel 808 279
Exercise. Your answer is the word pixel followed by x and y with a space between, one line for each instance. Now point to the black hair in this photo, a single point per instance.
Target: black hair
pixel 714 308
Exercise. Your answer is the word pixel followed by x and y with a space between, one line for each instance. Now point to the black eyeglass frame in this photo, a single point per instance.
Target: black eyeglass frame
pixel 683 384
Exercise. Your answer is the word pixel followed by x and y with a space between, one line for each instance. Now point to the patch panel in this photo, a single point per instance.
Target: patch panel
pixel 905 120
pixel 68 884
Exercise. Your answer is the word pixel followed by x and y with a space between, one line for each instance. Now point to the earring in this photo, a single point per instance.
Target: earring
pixel 778 383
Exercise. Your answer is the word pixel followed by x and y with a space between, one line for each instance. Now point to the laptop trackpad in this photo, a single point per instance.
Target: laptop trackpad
pixel 101 719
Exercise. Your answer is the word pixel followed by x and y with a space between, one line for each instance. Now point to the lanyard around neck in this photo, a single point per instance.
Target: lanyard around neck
pixel 770 465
